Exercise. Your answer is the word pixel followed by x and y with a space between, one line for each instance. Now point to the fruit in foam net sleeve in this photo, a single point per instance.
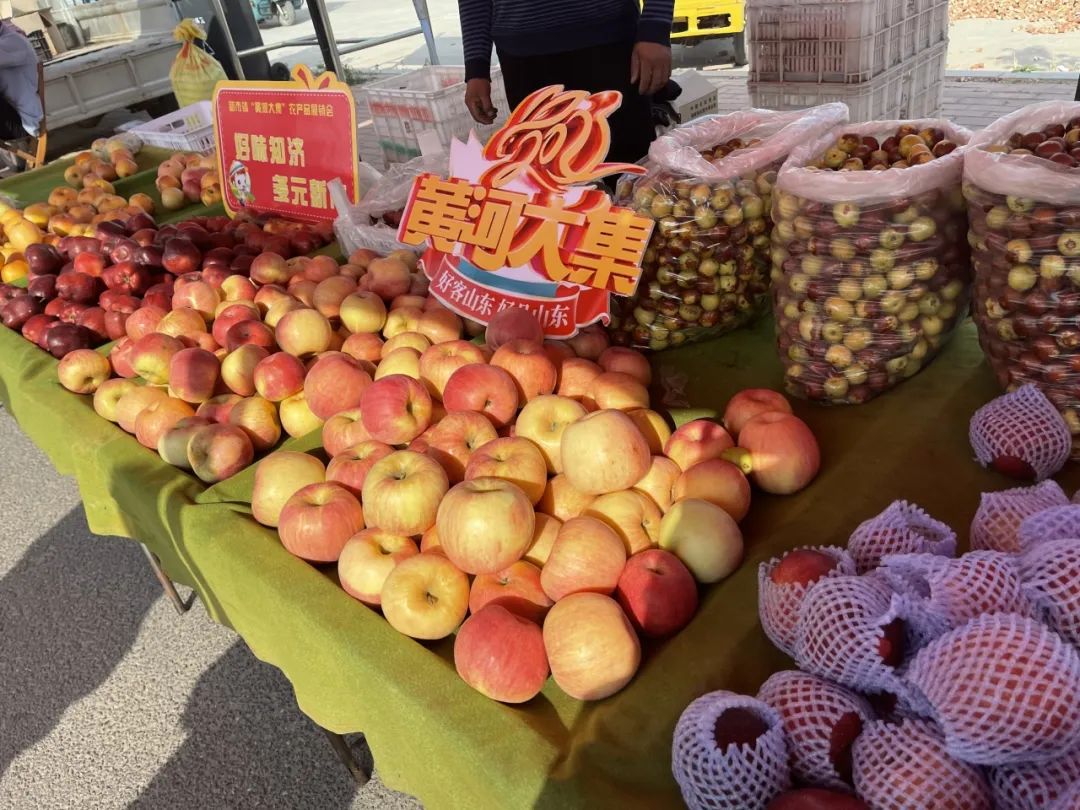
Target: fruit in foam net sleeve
pixel 425 596
pixel 781 452
pixel 704 537
pixel 870 271
pixel 402 493
pixel 501 655
pixel 368 558
pixel 591 646
pixel 485 525
pixel 277 478
pixel 318 520
pixel 816 799
pixel 604 452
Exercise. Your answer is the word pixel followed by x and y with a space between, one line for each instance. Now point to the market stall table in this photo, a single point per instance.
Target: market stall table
pixel 431 734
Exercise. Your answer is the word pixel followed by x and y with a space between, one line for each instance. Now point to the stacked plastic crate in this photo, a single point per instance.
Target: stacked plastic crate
pixel 884 58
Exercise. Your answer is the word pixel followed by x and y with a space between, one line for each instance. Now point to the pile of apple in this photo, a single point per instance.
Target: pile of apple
pixel 185 179
pixel 525 482
pixel 705 270
pixel 17 234
pixel 927 680
pixel 1026 256
pixel 82 289
pixel 865 292
pixel 1059 143
pixel 907 146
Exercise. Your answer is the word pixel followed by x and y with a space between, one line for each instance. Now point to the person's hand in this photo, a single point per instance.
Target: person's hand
pixel 478 100
pixel 650 67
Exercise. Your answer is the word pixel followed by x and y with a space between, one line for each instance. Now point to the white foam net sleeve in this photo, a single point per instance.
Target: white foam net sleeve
pixel 1055 523
pixel 902 528
pixel 1004 688
pixel 840 632
pixel 1033 786
pixel 742 777
pixel 812 709
pixel 779 604
pixel 907 767
pixel 1069 800
pixel 1051 576
pixel 1025 425
pixel 997 521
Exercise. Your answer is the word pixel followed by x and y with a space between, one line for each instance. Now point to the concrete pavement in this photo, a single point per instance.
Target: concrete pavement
pixel 109 700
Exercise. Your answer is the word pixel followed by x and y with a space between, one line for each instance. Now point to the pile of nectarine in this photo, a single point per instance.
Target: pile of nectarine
pixel 184 179
pixel 928 680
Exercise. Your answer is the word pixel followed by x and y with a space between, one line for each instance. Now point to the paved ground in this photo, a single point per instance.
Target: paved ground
pixel 108 699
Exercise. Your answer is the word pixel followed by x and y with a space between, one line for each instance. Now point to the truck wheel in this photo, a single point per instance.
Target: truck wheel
pixel 738 44
pixel 286 14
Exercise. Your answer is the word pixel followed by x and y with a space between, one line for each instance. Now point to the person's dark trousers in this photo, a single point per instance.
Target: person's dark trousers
pixel 11 127
pixel 602 67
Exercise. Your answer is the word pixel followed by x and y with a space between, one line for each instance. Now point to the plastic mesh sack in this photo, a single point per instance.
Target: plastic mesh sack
pixel 1051 573
pixel 841 632
pixel 813 711
pixel 741 777
pixel 1021 434
pixel 1033 787
pixel 1024 214
pixel 870 268
pixel 907 767
pixel 954 591
pixel 709 190
pixel 1069 800
pixel 996 524
pixel 1004 688
pixel 902 528
pixel 1056 523
pixel 779 604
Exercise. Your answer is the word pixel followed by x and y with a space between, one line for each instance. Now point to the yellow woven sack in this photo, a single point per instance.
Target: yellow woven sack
pixel 194 72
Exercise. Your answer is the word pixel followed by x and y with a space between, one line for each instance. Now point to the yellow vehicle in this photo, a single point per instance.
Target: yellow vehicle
pixel 700 20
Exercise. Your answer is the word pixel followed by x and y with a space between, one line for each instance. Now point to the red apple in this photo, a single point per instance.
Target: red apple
pixel 501 655
pixel 657 592
pixel 395 409
pixel 516 588
pixel 483 388
pixel 351 466
pixel 748 403
pixel 783 453
pixel 802 566
pixel 532 371
pixel 335 383
pixel 318 520
pixel 592 648
pixel 697 441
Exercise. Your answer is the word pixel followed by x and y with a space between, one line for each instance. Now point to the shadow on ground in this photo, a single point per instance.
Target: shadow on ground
pixel 70 609
pixel 248 746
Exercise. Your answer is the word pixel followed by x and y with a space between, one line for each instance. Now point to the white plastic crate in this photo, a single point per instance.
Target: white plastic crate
pixel 884 96
pixel 837 41
pixel 189 129
pixel 928 82
pixel 431 98
pixel 698 95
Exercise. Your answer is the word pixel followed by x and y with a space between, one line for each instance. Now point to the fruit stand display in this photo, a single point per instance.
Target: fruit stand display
pixel 320 450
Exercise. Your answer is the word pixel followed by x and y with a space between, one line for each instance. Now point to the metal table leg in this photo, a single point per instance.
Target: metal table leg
pixel 167 585
pixel 360 774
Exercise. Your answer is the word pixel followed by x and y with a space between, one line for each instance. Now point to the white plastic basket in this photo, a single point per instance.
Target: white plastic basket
pixel 189 129
pixel 431 98
pixel 837 41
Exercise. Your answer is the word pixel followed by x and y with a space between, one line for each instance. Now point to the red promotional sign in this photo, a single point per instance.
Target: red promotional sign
pixel 516 225
pixel 280 143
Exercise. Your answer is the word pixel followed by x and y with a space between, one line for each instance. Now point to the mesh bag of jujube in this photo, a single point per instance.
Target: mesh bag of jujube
pixel 849 631
pixel 870 268
pixel 1051 574
pixel 709 189
pixel 1020 434
pixel 1033 786
pixel 821 720
pixel 996 524
pixel 946 593
pixel 1024 212
pixel 906 766
pixel 1004 688
pixel 729 753
pixel 1056 523
pixel 782 586
pixel 902 528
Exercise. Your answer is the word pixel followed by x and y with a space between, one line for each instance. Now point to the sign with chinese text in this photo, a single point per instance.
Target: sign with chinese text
pixel 280 143
pixel 515 225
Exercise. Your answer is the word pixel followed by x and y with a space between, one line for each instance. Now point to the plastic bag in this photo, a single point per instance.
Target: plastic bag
pixel 194 72
pixel 1025 238
pixel 870 268
pixel 706 269
pixel 373 222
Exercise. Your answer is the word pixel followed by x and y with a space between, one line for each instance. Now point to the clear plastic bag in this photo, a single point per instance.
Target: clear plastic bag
pixel 870 268
pixel 709 189
pixel 1024 213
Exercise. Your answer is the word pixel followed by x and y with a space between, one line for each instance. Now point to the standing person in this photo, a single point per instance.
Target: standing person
pixel 589 45
pixel 20 105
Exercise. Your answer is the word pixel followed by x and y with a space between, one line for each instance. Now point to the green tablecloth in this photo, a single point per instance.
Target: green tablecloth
pixel 433 736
